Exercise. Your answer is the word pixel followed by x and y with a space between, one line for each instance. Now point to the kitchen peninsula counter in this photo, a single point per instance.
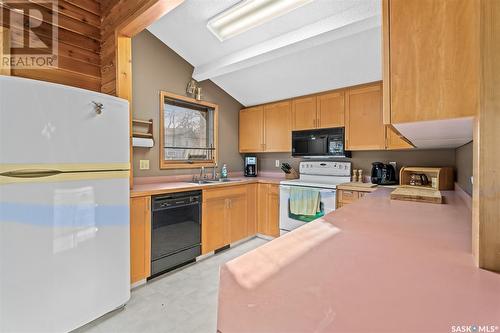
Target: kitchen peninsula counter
pixel 376 265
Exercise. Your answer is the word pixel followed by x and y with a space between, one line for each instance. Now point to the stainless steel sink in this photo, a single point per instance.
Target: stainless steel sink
pixel 212 181
pixel 199 182
pixel 223 180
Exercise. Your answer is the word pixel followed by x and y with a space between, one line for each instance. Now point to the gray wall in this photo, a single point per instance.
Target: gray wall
pixel 157 67
pixel 364 159
pixel 464 167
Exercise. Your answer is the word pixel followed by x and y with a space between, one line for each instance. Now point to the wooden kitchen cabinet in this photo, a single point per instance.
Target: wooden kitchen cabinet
pixel 348 195
pixel 363 120
pixel 331 110
pixel 431 59
pixel 304 114
pixel 214 228
pixel 251 130
pixel 140 238
pixel 394 141
pixel 268 210
pixel 228 215
pixel 266 128
pixel 319 111
pixel 277 127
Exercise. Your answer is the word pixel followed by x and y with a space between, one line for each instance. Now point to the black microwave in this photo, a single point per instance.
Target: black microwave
pixel 328 142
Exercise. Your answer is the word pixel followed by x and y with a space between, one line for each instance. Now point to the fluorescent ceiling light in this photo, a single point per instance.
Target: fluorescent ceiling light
pixel 249 14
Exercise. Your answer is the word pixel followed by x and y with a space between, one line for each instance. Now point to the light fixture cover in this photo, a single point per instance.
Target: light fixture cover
pixel 249 14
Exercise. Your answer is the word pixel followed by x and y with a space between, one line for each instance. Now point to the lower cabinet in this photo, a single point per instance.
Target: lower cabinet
pixel 228 215
pixel 345 197
pixel 268 210
pixel 140 238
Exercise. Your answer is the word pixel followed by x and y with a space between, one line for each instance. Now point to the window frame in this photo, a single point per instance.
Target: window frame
pixel 181 164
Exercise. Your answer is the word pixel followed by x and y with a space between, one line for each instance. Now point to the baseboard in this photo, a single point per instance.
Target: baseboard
pixel 137 284
pixel 466 198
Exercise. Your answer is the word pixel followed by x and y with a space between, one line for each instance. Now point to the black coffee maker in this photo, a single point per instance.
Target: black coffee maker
pixel 383 174
pixel 250 166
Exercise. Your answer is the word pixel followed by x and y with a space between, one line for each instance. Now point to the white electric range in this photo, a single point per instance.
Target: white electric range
pixel 323 176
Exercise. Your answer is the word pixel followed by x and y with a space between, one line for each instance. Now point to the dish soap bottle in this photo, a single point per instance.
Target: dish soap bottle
pixel 223 172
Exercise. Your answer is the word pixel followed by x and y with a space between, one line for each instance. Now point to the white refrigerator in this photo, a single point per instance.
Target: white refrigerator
pixel 64 205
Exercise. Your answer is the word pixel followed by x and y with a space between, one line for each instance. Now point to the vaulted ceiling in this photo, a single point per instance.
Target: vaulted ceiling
pixel 323 45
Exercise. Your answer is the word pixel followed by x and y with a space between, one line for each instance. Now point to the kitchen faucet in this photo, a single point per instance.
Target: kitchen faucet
pixel 202 173
pixel 214 171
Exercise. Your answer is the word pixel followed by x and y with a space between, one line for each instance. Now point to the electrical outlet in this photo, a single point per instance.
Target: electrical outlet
pixel 277 163
pixel 144 164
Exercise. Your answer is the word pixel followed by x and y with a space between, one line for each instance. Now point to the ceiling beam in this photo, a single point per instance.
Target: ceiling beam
pixel 321 32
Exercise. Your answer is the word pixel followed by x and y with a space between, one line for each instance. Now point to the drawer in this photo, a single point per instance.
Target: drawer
pixel 346 196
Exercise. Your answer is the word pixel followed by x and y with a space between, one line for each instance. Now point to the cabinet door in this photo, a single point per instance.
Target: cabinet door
pixel 277 127
pixel 273 209
pixel 140 238
pixel 434 59
pixel 394 141
pixel 214 228
pixel 331 109
pixel 347 196
pixel 251 130
pixel 252 209
pixel 268 210
pixel 238 217
pixel 304 113
pixel 364 126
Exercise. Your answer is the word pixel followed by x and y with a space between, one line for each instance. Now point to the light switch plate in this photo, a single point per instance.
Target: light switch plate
pixel 144 164
pixel 277 163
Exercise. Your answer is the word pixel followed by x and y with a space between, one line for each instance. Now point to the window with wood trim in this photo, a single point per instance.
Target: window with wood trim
pixel 188 132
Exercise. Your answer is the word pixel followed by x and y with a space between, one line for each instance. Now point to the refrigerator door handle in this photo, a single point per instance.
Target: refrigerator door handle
pixel 31 173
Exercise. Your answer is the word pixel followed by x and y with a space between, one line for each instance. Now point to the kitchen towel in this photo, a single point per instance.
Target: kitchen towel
pixel 304 201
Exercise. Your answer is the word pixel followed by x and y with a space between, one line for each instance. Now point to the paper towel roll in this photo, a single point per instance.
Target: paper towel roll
pixel 142 142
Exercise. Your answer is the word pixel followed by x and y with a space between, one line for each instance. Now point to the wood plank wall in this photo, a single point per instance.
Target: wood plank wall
pixel 128 18
pixel 79 29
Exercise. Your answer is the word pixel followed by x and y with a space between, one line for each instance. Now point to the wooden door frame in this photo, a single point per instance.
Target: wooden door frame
pixel 146 13
pixel 486 187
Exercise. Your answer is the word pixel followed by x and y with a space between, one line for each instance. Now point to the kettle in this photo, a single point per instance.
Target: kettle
pixel 383 174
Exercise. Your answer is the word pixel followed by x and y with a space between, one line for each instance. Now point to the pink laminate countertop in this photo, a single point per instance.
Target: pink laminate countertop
pixel 161 187
pixel 376 265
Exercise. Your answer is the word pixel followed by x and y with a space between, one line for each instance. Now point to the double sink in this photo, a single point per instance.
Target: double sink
pixel 213 181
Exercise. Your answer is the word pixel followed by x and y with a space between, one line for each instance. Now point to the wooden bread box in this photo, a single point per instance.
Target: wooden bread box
pixel 443 175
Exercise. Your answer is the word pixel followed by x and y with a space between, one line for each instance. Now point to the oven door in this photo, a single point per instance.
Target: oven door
pixel 289 221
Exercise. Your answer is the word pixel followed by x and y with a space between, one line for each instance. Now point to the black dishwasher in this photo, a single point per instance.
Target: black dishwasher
pixel 175 230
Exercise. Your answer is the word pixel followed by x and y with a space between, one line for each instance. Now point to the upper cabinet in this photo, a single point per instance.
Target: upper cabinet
pixel 395 141
pixel 364 126
pixel 319 111
pixel 251 131
pixel 277 127
pixel 304 115
pixel 431 59
pixel 331 109
pixel 266 128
